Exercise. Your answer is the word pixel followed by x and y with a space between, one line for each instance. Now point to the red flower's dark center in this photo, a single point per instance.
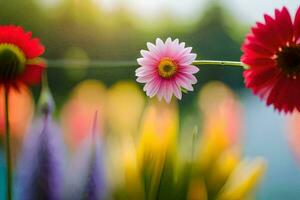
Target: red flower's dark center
pixel 288 60
pixel 12 62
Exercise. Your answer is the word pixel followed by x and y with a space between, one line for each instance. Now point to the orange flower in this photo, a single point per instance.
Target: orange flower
pixel 21 109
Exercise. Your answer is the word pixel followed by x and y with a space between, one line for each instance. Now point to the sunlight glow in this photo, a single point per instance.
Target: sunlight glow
pixel 188 10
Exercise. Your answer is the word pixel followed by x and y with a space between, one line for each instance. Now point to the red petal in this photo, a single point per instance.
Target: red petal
pixel 273 29
pixel 281 96
pixel 251 38
pixel 264 34
pixel 33 48
pixel 256 49
pixel 285 94
pixel 293 94
pixel 255 62
pixel 273 97
pixel 296 92
pixel 16 35
pixel 284 99
pixel 297 24
pixel 259 77
pixel 284 24
pixel 32 74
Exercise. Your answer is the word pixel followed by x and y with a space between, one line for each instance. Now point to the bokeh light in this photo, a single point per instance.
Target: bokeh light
pixel 77 114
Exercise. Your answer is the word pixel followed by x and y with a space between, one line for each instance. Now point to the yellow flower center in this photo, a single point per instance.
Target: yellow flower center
pixel 12 61
pixel 167 68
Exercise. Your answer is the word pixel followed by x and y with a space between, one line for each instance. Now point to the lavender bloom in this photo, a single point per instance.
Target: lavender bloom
pixel 39 173
pixel 95 185
pixel 87 178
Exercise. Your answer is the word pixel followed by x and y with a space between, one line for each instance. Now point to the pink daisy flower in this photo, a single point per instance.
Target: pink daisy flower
pixel 166 69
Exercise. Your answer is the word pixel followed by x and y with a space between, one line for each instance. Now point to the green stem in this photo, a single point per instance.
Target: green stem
pixel 194 138
pixel 219 62
pixel 9 194
pixel 71 64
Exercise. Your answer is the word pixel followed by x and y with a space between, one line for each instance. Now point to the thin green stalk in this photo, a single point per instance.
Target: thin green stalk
pixel 194 138
pixel 71 64
pixel 219 62
pixel 9 194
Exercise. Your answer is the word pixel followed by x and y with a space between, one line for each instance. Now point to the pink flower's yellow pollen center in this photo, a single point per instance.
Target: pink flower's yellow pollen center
pixel 167 68
pixel 12 61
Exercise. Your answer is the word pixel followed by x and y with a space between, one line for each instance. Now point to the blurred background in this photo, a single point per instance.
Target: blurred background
pixel 85 31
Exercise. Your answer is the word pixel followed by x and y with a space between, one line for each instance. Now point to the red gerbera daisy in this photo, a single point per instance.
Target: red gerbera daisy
pixel 19 52
pixel 272 52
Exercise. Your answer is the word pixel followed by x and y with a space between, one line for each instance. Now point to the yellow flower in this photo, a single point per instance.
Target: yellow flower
pixel 157 145
pixel 221 123
pixel 159 128
pixel 218 163
pixel 242 181
pixel 223 167
pixel 125 106
pixel 216 170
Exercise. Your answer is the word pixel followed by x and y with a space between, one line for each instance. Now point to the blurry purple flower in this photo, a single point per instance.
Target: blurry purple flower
pixel 86 180
pixel 40 169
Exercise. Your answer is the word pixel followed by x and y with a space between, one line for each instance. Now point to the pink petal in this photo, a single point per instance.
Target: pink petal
pixel 161 91
pixel 190 69
pixel 174 48
pixel 190 77
pixel 152 87
pixel 188 59
pixel 175 43
pixel 176 90
pixel 145 79
pixel 160 45
pixel 184 52
pixel 153 49
pixel 169 43
pixel 183 82
pixel 182 44
pixel 167 48
pixel 168 91
pixel 143 71
pixel 146 61
pixel 148 54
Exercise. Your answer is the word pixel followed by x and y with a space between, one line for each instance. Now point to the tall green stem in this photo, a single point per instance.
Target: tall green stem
pixel 122 64
pixel 9 195
pixel 218 62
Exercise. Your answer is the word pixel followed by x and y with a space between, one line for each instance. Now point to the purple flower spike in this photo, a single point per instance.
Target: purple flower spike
pixel 87 179
pixel 40 169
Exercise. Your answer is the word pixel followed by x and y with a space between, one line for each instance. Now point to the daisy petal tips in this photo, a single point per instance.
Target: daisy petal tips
pixel 167 68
